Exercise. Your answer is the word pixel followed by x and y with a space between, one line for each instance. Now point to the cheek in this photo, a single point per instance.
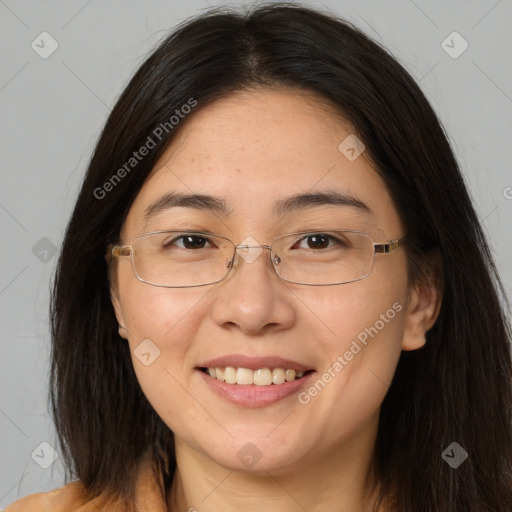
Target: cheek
pixel 362 311
pixel 161 325
pixel 363 326
pixel 163 315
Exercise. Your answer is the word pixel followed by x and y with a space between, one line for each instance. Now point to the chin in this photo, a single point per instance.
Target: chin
pixel 258 455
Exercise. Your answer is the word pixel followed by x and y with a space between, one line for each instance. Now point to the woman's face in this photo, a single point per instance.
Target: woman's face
pixel 252 150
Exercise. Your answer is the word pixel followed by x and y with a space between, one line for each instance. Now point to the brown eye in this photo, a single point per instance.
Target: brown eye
pixel 189 242
pixel 318 241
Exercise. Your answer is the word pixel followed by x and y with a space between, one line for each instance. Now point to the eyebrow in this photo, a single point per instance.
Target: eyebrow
pixel 282 206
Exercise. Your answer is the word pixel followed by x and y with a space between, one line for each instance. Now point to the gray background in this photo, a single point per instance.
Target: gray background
pixel 53 109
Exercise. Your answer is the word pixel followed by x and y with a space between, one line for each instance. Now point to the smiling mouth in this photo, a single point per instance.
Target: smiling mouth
pixel 259 377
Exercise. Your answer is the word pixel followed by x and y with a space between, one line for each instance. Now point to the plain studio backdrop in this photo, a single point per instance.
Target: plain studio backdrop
pixel 63 65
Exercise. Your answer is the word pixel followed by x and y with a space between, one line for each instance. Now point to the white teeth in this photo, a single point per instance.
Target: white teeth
pixel 244 376
pixel 260 377
pixel 263 377
pixel 230 375
pixel 290 375
pixel 278 376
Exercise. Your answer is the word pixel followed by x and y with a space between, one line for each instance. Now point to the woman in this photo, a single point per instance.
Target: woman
pixel 274 292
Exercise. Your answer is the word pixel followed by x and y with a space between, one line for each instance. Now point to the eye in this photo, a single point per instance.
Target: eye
pixel 319 241
pixel 189 241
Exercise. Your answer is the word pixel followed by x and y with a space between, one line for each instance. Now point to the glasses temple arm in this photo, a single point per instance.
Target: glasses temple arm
pixel 390 246
pixel 117 250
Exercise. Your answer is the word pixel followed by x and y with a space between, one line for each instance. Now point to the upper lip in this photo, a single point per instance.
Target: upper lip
pixel 254 363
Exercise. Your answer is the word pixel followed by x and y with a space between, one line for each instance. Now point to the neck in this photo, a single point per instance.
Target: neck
pixel 333 481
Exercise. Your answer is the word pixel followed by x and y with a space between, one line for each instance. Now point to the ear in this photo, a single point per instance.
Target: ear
pixel 424 304
pixel 116 302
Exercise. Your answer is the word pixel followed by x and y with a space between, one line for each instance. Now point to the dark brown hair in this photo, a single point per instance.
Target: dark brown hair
pixel 456 388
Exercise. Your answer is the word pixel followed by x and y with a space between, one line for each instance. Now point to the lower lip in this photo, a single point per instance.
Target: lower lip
pixel 251 395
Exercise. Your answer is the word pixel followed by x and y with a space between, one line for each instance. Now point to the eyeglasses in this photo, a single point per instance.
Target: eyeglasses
pixel 178 259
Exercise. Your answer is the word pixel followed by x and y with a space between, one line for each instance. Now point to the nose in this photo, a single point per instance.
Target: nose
pixel 250 253
pixel 253 297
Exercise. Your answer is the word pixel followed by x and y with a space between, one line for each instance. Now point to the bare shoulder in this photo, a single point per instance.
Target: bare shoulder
pixel 69 498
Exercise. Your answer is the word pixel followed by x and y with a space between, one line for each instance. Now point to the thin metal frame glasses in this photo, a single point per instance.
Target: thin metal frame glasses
pixel 156 260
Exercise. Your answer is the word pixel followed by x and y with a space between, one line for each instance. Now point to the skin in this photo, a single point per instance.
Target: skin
pixel 253 148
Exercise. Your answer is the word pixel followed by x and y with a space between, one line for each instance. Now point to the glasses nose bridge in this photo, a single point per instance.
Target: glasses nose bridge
pixel 253 257
pixel 244 246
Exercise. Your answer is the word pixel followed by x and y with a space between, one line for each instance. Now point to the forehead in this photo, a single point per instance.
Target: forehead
pixel 254 149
